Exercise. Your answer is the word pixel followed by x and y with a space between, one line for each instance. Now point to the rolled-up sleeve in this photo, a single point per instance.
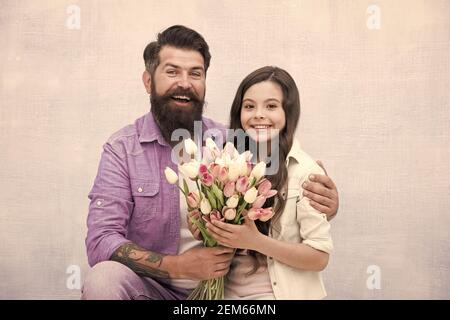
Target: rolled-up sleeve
pixel 314 226
pixel 111 205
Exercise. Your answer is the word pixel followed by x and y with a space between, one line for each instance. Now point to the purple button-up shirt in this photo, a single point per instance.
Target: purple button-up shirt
pixel 131 201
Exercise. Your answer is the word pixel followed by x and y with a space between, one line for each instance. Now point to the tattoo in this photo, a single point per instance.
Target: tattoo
pixel 138 259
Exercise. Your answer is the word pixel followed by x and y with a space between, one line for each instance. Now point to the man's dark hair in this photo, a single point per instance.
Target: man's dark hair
pixel 179 37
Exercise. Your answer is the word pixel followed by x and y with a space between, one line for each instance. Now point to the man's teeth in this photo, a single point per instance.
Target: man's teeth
pixel 182 98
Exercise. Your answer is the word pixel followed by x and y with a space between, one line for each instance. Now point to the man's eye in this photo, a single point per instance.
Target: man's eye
pixel 171 72
pixel 196 74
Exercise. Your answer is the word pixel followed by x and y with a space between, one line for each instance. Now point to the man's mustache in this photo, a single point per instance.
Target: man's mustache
pixel 181 92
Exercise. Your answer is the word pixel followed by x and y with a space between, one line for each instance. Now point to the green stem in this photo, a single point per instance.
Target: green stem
pixel 182 190
pixel 239 211
pixel 199 189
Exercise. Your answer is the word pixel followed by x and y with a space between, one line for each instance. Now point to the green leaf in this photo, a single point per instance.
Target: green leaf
pixel 185 187
pixel 212 199
pixel 252 182
pixel 219 194
pixel 209 241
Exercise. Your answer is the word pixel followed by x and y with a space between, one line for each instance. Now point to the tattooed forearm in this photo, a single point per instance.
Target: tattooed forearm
pixel 145 263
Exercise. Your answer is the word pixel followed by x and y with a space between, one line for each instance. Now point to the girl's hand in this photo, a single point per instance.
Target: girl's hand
pixel 244 236
pixel 192 227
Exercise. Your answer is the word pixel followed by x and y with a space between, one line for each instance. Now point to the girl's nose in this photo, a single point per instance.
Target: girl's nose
pixel 259 114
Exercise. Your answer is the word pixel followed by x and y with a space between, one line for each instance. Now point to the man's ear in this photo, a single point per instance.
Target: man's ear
pixel 147 80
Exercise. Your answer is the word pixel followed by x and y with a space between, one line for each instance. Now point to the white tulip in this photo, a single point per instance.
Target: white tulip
pixel 242 163
pixel 250 195
pixel 190 146
pixel 233 201
pixel 226 159
pixel 220 162
pixel 247 155
pixel 229 213
pixel 171 175
pixel 205 206
pixel 233 171
pixel 259 170
pixel 229 148
pixel 190 169
pixel 211 144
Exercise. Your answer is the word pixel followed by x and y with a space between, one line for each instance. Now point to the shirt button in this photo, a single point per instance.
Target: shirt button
pixel 140 189
pixel 99 203
pixel 274 283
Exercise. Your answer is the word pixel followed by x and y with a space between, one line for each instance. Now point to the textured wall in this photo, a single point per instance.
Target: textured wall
pixel 374 109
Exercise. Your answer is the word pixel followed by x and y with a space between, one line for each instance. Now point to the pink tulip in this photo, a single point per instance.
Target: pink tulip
pixel 249 168
pixel 242 184
pixel 193 200
pixel 223 175
pixel 254 213
pixel 260 213
pixel 215 215
pixel 203 169
pixel 264 188
pixel 229 189
pixel 267 214
pixel 259 202
pixel 207 179
pixel 215 170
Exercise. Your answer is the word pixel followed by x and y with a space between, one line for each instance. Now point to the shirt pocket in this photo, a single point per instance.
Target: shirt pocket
pixel 146 199
pixel 288 223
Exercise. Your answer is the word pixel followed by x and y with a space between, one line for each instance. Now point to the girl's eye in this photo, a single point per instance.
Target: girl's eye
pixel 272 106
pixel 248 106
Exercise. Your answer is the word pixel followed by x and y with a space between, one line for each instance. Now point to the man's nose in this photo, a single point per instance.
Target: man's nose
pixel 183 82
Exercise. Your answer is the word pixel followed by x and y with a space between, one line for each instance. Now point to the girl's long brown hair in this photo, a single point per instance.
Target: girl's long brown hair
pixel 291 107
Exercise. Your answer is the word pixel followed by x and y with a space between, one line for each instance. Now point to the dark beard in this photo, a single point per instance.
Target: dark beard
pixel 170 117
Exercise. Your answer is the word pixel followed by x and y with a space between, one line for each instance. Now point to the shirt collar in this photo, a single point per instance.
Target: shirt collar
pixel 150 131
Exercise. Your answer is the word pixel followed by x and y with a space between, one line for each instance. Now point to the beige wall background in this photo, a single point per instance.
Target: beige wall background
pixel 375 109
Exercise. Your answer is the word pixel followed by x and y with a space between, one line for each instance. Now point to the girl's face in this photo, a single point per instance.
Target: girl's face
pixel 262 114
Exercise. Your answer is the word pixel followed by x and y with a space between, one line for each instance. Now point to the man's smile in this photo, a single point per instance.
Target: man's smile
pixel 181 100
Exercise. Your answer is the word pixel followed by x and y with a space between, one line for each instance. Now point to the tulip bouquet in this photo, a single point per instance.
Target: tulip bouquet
pixel 229 187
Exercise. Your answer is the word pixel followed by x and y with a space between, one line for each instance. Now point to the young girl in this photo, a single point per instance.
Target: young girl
pixel 281 258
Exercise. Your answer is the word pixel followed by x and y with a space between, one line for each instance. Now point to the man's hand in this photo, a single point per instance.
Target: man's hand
pixel 322 192
pixel 201 263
